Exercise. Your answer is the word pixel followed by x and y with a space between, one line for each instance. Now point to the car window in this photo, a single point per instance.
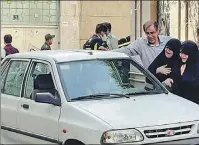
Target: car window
pixel 12 78
pixel 117 76
pixel 37 69
pixel 3 77
pixel 4 63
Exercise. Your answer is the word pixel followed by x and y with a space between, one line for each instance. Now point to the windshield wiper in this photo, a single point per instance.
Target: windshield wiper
pixel 144 92
pixel 101 95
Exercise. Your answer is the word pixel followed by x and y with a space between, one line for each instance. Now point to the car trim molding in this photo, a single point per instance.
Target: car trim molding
pixel 31 135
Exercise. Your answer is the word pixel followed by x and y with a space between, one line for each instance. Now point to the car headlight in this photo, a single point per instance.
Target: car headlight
pixel 122 136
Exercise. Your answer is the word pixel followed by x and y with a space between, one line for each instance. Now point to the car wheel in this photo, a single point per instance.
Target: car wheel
pixel 73 142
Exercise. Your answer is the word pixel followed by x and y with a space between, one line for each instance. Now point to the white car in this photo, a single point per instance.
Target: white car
pixel 3 53
pixel 78 97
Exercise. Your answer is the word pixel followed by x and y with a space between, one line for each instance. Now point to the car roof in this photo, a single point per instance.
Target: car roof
pixel 69 55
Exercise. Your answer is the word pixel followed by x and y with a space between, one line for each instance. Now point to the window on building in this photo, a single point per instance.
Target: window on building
pixel 30 12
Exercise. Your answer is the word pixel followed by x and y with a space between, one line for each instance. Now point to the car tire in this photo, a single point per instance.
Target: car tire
pixel 73 142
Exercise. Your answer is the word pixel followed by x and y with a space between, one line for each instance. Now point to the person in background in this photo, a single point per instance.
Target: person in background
pixel 184 80
pixel 9 49
pixel 148 47
pixel 111 39
pixel 48 42
pixel 124 41
pixel 96 42
pixel 162 65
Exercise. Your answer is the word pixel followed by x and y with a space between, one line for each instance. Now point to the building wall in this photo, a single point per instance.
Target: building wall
pixel 184 26
pixel 94 12
pixel 28 22
pixel 140 13
pixel 69 24
pixel 26 36
pixel 77 20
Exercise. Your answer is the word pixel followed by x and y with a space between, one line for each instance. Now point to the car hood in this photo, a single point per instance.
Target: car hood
pixel 142 111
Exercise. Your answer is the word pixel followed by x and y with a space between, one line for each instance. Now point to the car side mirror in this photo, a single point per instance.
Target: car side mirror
pixel 46 97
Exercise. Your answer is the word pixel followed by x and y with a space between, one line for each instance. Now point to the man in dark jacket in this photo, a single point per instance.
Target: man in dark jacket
pixel 96 42
pixel 9 49
pixel 124 41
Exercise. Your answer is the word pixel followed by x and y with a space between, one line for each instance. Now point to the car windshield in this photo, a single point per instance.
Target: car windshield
pixel 94 79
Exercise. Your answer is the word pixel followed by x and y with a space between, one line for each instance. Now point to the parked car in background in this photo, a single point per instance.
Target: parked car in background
pixel 79 97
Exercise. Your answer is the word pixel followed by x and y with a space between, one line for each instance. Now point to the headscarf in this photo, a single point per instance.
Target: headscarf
pixel 174 45
pixel 190 48
pixel 187 85
pixel 161 59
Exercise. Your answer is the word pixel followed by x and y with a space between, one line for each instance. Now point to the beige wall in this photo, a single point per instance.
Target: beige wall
pixel 144 13
pixel 94 12
pixel 69 24
pixel 78 20
pixel 23 36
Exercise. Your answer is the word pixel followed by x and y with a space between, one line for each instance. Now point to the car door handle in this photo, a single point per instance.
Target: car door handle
pixel 25 106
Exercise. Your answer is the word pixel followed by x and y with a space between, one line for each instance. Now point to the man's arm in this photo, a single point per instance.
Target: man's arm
pixel 16 50
pixel 114 43
pixel 132 49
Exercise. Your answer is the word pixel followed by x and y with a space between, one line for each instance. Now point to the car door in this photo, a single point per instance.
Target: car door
pixel 11 87
pixel 38 122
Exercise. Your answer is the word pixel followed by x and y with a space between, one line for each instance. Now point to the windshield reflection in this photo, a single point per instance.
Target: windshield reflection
pixel 84 78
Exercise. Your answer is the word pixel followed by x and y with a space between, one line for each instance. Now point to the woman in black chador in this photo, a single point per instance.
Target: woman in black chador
pixel 164 62
pixel 184 79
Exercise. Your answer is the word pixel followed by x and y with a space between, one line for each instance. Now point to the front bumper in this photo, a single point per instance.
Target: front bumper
pixel 192 141
pixel 190 138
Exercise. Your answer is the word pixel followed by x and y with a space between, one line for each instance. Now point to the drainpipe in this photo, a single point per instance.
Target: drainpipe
pixel 140 18
pixel 186 20
pixel 135 19
pixel 179 19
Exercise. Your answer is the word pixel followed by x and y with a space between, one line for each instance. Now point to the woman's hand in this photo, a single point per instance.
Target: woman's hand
pixel 168 82
pixel 163 70
pixel 103 48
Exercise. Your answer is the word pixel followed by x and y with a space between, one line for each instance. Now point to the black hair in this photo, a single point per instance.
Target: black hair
pixel 108 25
pixel 100 28
pixel 8 38
pixel 198 31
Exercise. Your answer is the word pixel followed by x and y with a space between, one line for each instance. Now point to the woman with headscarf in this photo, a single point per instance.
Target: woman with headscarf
pixel 184 79
pixel 164 62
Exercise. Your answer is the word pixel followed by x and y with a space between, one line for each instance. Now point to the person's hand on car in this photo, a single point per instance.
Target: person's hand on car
pixel 168 82
pixel 103 48
pixel 163 70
